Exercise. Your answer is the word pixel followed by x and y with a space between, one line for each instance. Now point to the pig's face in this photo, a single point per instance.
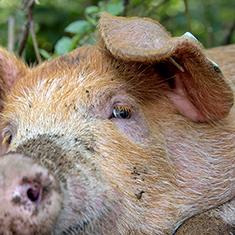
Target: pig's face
pixel 92 136
pixel 76 124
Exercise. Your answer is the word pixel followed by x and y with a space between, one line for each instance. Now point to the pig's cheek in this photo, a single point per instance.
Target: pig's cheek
pixel 136 129
pixel 3 148
pixel 84 196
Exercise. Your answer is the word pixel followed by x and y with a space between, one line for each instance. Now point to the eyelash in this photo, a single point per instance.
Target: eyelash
pixel 122 112
pixel 7 139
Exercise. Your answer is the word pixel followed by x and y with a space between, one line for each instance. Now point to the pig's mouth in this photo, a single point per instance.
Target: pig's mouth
pixel 75 228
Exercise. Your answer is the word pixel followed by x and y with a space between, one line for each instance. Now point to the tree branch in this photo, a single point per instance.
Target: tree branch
pixel 148 12
pixel 126 5
pixel 230 34
pixel 187 16
pixel 35 43
pixel 11 27
pixel 26 32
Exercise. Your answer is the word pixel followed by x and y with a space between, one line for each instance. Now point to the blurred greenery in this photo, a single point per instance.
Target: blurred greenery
pixel 62 25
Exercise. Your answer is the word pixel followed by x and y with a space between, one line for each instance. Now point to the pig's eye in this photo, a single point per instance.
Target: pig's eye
pixel 122 112
pixel 7 140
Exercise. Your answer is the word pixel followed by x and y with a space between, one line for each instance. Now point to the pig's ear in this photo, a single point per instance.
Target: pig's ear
pixel 197 86
pixel 11 69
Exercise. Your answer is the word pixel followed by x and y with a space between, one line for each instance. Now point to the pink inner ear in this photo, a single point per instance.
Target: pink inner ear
pixel 180 98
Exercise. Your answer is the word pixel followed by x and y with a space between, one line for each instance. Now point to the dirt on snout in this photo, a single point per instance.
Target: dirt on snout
pixel 205 224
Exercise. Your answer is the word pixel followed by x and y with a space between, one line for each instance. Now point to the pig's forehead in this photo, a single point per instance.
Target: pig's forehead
pixel 84 72
pixel 81 60
pixel 73 69
pixel 83 66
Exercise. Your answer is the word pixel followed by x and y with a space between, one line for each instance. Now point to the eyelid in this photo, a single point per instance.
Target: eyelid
pixel 123 107
pixel 8 130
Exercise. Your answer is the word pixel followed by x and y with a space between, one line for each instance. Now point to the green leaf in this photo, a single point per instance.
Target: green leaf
pixel 63 46
pixel 79 26
pixel 115 9
pixel 92 9
pixel 44 53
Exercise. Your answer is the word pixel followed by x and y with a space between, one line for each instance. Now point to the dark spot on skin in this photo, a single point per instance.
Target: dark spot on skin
pixel 75 60
pixel 76 139
pixel 24 180
pixel 135 171
pixel 46 189
pixel 16 199
pixel 87 92
pixel 111 79
pixel 117 67
pixel 36 211
pixel 49 203
pixel 30 106
pixel 38 177
pixel 74 107
pixel 5 214
pixel 89 148
pixel 139 195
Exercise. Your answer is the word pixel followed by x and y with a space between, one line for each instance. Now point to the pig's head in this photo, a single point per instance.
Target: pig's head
pixel 89 135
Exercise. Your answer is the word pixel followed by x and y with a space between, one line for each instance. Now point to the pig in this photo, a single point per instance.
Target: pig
pixel 133 135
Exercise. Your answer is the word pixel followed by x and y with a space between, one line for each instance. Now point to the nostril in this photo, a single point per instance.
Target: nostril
pixel 35 193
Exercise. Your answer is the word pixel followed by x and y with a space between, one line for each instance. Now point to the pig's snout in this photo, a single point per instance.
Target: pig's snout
pixel 30 197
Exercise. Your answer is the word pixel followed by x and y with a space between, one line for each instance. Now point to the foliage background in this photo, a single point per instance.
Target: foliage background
pixel 62 25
